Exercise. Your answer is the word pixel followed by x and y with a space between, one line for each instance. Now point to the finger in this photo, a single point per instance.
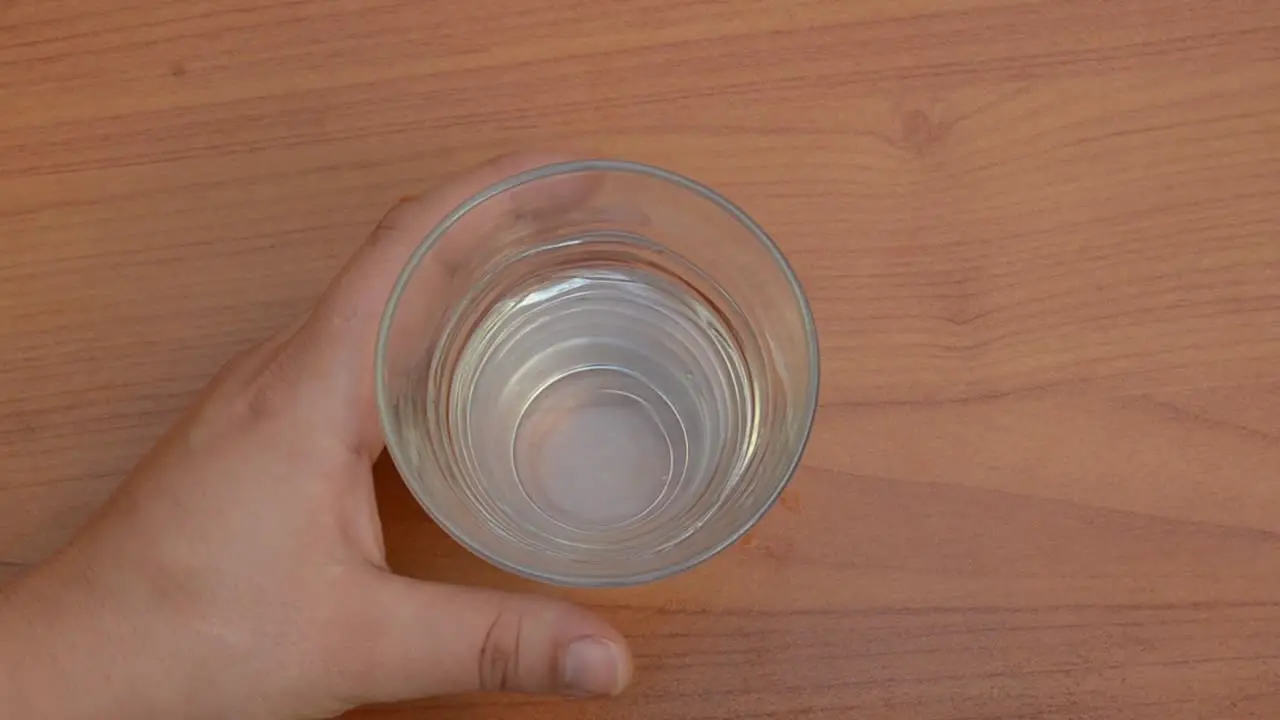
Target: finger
pixel 450 269
pixel 342 330
pixel 431 639
pixel 361 290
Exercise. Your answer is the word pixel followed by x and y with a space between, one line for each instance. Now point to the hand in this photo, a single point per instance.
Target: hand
pixel 240 570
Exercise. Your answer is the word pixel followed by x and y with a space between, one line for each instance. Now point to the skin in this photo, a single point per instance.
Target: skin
pixel 239 571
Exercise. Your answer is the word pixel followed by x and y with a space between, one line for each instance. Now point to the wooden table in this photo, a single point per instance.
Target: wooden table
pixel 1042 240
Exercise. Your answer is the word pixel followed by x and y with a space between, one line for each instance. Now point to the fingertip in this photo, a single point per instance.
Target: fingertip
pixel 596 666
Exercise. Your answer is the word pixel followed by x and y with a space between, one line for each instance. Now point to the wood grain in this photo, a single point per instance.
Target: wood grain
pixel 1042 240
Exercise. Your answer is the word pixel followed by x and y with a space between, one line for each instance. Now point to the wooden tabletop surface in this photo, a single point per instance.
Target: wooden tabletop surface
pixel 1042 241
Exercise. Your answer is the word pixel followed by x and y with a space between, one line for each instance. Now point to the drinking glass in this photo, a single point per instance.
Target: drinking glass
pixel 597 373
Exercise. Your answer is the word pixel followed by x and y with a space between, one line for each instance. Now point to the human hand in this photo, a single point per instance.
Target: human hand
pixel 240 571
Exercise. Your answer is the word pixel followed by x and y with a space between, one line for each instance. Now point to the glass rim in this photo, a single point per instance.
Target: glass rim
pixel 432 238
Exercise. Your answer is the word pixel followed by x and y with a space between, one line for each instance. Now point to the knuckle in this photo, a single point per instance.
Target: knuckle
pixel 399 215
pixel 499 661
pixel 339 312
pixel 238 370
pixel 256 388
pixel 247 366
pixel 262 400
pixel 260 388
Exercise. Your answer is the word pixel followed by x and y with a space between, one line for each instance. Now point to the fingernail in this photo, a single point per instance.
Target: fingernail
pixel 593 666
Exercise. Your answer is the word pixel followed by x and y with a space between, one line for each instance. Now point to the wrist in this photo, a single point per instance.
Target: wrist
pixel 42 660
pixel 67 650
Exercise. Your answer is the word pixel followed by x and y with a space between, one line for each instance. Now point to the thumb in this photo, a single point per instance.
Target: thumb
pixel 433 639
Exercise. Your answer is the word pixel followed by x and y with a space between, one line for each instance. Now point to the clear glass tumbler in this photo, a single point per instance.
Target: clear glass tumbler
pixel 597 373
